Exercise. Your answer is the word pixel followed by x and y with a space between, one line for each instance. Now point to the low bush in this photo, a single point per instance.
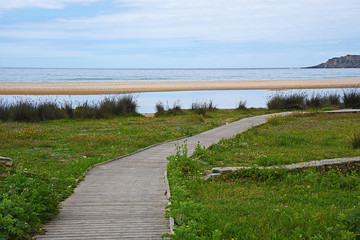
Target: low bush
pixel 202 107
pixel 125 105
pixel 319 101
pixel 161 110
pixel 4 110
pixel 287 101
pixel 351 98
pixel 334 100
pixel 23 110
pixel 241 105
pixel 30 111
pixel 68 109
pixel 49 111
pixel 85 111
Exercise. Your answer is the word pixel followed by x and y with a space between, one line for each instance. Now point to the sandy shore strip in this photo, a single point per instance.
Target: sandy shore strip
pixel 99 88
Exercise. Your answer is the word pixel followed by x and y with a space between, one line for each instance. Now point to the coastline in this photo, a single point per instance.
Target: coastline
pixel 101 88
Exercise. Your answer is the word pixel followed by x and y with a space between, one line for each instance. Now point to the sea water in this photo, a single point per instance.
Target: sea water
pixel 147 101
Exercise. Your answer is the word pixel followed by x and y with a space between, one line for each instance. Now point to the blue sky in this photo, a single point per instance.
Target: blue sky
pixel 176 33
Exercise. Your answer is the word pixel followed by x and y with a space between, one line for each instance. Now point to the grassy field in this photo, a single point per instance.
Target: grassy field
pixel 50 156
pixel 270 204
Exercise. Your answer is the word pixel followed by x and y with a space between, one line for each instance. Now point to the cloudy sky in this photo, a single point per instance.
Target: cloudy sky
pixel 176 33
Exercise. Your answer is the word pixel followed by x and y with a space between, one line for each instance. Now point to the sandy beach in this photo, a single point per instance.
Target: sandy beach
pixel 98 88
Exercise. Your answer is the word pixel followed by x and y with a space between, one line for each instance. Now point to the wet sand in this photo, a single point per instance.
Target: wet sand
pixel 99 88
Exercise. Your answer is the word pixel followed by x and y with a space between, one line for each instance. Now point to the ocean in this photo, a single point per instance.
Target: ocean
pixel 147 101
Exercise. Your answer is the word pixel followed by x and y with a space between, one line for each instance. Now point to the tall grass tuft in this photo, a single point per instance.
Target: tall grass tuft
pixel 85 111
pixel 334 100
pixel 30 111
pixel 175 109
pixel 287 101
pixel 351 98
pixel 202 107
pixel 23 110
pixel 323 100
pixel 68 109
pixel 4 110
pixel 316 101
pixel 241 105
pixel 290 101
pixel 49 111
pixel 107 108
pixel 125 105
pixel 161 110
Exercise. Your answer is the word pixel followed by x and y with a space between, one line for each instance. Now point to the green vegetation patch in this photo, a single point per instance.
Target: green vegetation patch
pixel 272 203
pixel 290 139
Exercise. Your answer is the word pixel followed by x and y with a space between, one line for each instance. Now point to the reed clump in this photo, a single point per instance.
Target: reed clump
pixel 162 110
pixel 31 111
pixel 202 107
pixel 300 101
pixel 351 98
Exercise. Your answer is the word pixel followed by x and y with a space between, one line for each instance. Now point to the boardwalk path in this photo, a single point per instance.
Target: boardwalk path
pixel 125 199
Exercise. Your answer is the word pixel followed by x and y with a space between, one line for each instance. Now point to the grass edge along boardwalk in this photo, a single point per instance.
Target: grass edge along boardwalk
pixel 126 199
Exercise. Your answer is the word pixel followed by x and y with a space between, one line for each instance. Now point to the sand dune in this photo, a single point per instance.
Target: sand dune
pixel 96 88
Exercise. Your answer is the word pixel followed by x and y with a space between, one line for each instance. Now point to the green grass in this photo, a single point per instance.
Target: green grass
pixel 286 140
pixel 270 204
pixel 54 154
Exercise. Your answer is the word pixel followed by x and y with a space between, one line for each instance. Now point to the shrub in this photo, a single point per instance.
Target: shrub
pixel 107 108
pixel 176 108
pixel 316 101
pixel 125 105
pixel 241 105
pixel 49 111
pixel 4 110
pixel 351 98
pixel 202 107
pixel 85 110
pixel 68 109
pixel 162 110
pixel 334 100
pixel 23 110
pixel 28 111
pixel 287 101
pixel 323 100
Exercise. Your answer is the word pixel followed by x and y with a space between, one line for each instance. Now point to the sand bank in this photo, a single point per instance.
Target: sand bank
pixel 97 88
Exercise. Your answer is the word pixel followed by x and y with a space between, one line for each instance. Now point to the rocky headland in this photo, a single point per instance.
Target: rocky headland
pixel 348 61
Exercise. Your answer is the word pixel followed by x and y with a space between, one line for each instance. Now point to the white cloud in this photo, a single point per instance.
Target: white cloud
pixel 47 4
pixel 231 20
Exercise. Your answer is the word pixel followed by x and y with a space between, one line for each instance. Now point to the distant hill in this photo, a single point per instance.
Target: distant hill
pixel 348 61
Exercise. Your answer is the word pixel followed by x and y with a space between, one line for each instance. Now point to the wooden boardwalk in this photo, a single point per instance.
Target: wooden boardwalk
pixel 126 198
